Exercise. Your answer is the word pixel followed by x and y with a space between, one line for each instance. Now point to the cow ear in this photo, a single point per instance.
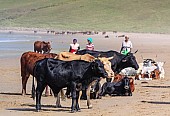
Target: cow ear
pixel 131 80
pixel 99 55
pixel 110 58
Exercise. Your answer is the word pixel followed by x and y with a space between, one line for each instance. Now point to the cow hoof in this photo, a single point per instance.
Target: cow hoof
pixel 58 106
pixel 72 111
pixel 79 110
pixel 38 110
pixel 99 97
pixel 90 107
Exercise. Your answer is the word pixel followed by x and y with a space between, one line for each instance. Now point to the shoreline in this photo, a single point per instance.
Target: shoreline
pixel 44 31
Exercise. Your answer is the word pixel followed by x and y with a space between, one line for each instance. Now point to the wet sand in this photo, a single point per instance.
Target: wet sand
pixel 151 98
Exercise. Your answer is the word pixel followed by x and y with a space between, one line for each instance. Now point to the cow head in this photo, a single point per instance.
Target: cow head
pixel 129 61
pixel 107 65
pixel 98 69
pixel 126 86
pixel 46 47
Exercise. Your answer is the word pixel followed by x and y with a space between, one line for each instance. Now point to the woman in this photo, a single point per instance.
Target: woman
pixel 74 47
pixel 90 45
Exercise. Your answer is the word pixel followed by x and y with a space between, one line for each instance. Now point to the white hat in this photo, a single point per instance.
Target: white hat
pixel 126 36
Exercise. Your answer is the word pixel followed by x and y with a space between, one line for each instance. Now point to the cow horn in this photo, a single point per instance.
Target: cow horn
pixel 135 52
pixel 99 55
pixel 110 57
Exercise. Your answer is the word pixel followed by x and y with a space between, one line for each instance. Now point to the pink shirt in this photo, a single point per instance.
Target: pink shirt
pixel 90 46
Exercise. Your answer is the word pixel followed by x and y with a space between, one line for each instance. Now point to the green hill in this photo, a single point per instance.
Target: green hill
pixel 99 15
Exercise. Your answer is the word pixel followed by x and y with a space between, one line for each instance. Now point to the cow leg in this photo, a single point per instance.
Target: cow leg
pixel 40 88
pixel 78 101
pixel 60 93
pixel 58 104
pixel 102 90
pixel 88 97
pixel 73 93
pixel 63 98
pixel 97 93
pixel 24 83
pixel 68 92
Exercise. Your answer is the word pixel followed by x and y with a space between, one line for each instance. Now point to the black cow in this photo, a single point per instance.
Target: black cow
pixel 119 61
pixel 59 74
pixel 117 88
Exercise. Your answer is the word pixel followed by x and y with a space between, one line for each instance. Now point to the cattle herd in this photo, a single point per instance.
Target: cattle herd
pixel 81 74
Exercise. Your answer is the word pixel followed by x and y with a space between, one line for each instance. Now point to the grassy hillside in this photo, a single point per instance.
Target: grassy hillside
pixel 100 15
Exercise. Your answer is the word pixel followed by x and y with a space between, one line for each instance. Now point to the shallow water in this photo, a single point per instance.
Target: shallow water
pixel 14 44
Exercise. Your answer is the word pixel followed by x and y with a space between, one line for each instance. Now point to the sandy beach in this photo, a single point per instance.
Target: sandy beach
pixel 150 98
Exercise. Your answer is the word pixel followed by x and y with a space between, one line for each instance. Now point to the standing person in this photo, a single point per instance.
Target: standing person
pixel 126 46
pixel 90 45
pixel 74 47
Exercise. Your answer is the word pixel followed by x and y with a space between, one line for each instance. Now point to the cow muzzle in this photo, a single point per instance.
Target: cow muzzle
pixel 126 87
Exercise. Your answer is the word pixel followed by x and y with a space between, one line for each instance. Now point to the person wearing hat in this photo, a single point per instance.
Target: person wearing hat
pixel 126 46
pixel 90 45
pixel 74 47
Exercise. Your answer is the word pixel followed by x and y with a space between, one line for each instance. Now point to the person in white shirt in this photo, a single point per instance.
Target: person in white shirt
pixel 126 46
pixel 74 47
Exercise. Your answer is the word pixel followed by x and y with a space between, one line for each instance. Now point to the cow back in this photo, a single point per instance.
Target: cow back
pixel 28 60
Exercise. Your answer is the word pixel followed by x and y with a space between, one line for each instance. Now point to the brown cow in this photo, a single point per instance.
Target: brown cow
pixel 28 60
pixel 42 47
pixel 68 56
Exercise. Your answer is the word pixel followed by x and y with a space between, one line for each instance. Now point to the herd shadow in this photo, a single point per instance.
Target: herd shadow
pixel 157 86
pixel 8 93
pixel 155 102
pixel 34 110
pixel 44 108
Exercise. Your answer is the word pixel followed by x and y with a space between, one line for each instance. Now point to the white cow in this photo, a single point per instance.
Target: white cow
pixel 129 71
pixel 147 68
pixel 161 69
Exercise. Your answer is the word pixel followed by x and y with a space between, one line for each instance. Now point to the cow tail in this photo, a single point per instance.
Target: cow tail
pixel 33 85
